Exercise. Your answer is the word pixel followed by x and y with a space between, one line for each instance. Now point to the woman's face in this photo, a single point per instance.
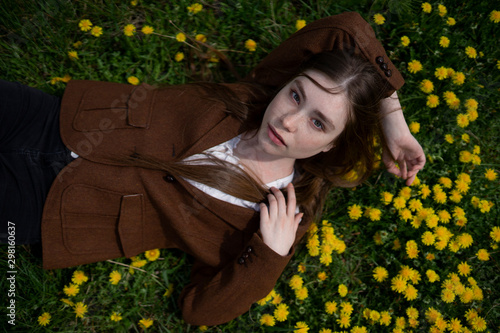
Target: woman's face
pixel 303 120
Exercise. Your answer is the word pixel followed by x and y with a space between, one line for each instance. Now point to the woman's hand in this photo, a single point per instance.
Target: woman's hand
pixel 400 145
pixel 279 223
pixel 407 152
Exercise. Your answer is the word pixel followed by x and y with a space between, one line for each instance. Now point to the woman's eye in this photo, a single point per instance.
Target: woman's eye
pixel 295 97
pixel 318 124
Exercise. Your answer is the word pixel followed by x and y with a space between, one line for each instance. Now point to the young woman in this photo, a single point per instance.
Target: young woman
pixel 231 174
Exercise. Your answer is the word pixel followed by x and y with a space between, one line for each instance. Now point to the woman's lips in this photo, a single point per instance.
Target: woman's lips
pixel 274 136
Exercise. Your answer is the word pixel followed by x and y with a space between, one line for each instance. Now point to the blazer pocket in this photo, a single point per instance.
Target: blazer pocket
pixel 104 109
pixel 99 221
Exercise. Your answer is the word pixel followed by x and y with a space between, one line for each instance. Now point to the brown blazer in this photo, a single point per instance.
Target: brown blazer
pixel 99 208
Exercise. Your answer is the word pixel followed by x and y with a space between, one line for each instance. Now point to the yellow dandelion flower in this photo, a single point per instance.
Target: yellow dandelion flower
pixel 147 30
pixel 301 327
pixel 428 238
pixel 250 45
pixel 79 277
pixel 201 38
pixel 152 255
pixel 426 7
pixel 490 174
pixel 85 25
pixel 133 80
pixel 379 19
pixel 465 240
pixel 96 31
pixel 444 41
pixel 343 290
pixel 441 73
pixel 146 323
pixel 322 276
pixel 346 308
pixel 495 234
pixel 331 307
pixel 432 101
pixel 115 277
pixel 169 291
pixel 386 198
pixel 414 66
pixel 449 138
pixel 472 115
pixel 412 249
pixel 80 309
pixel 478 323
pixel 463 120
pixel 495 16
pixel 179 56
pixel 454 326
pixel 67 302
pixel 426 86
pixel 267 320
pixel 380 274
pixel 432 276
pixel 301 293
pixel 405 41
pixel 464 268
pixel 385 318
pixel 430 256
pixel 458 78
pixel 299 24
pixel 440 197
pixel 405 214
pixel 375 214
pixel 129 30
pixel 374 315
pixel 412 313
pixel 414 127
pixel 447 295
pixel 71 290
pixel 398 284
pixel 442 10
pixel 180 37
pixel 116 316
pixel 195 8
pixel 73 55
pixel 471 52
pixel 296 282
pixel 44 319
pixel 281 312
pixel 399 202
pixel 483 255
pixel 355 211
pixel 451 21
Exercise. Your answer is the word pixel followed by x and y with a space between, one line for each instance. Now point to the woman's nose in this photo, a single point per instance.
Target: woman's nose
pixel 291 121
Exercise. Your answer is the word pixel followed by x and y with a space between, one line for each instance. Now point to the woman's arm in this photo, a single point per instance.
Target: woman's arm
pixel 400 145
pixel 217 295
pixel 347 32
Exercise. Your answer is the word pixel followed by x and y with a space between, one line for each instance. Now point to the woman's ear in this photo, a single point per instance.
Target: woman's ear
pixel 329 147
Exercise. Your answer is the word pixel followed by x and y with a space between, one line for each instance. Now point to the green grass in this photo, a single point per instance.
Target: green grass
pixel 36 36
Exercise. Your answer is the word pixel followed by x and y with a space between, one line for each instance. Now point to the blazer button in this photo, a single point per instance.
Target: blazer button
pixel 384 66
pixel 249 249
pixel 379 60
pixel 244 255
pixel 169 178
pixel 388 73
pixel 241 261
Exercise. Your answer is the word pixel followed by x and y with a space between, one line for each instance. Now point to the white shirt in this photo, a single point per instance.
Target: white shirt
pixel 225 152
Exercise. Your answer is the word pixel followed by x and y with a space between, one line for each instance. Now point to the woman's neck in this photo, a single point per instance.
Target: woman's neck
pixel 260 165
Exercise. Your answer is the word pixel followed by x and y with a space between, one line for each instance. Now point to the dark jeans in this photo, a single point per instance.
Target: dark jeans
pixel 31 155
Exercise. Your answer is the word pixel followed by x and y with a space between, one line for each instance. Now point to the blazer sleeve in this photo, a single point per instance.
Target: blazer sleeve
pixel 218 295
pixel 347 31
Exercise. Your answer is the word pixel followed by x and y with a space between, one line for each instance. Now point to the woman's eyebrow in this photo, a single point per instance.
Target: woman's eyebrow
pixel 318 113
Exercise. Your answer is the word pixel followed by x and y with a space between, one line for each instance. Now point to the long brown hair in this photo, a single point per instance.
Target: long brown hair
pixel 347 164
